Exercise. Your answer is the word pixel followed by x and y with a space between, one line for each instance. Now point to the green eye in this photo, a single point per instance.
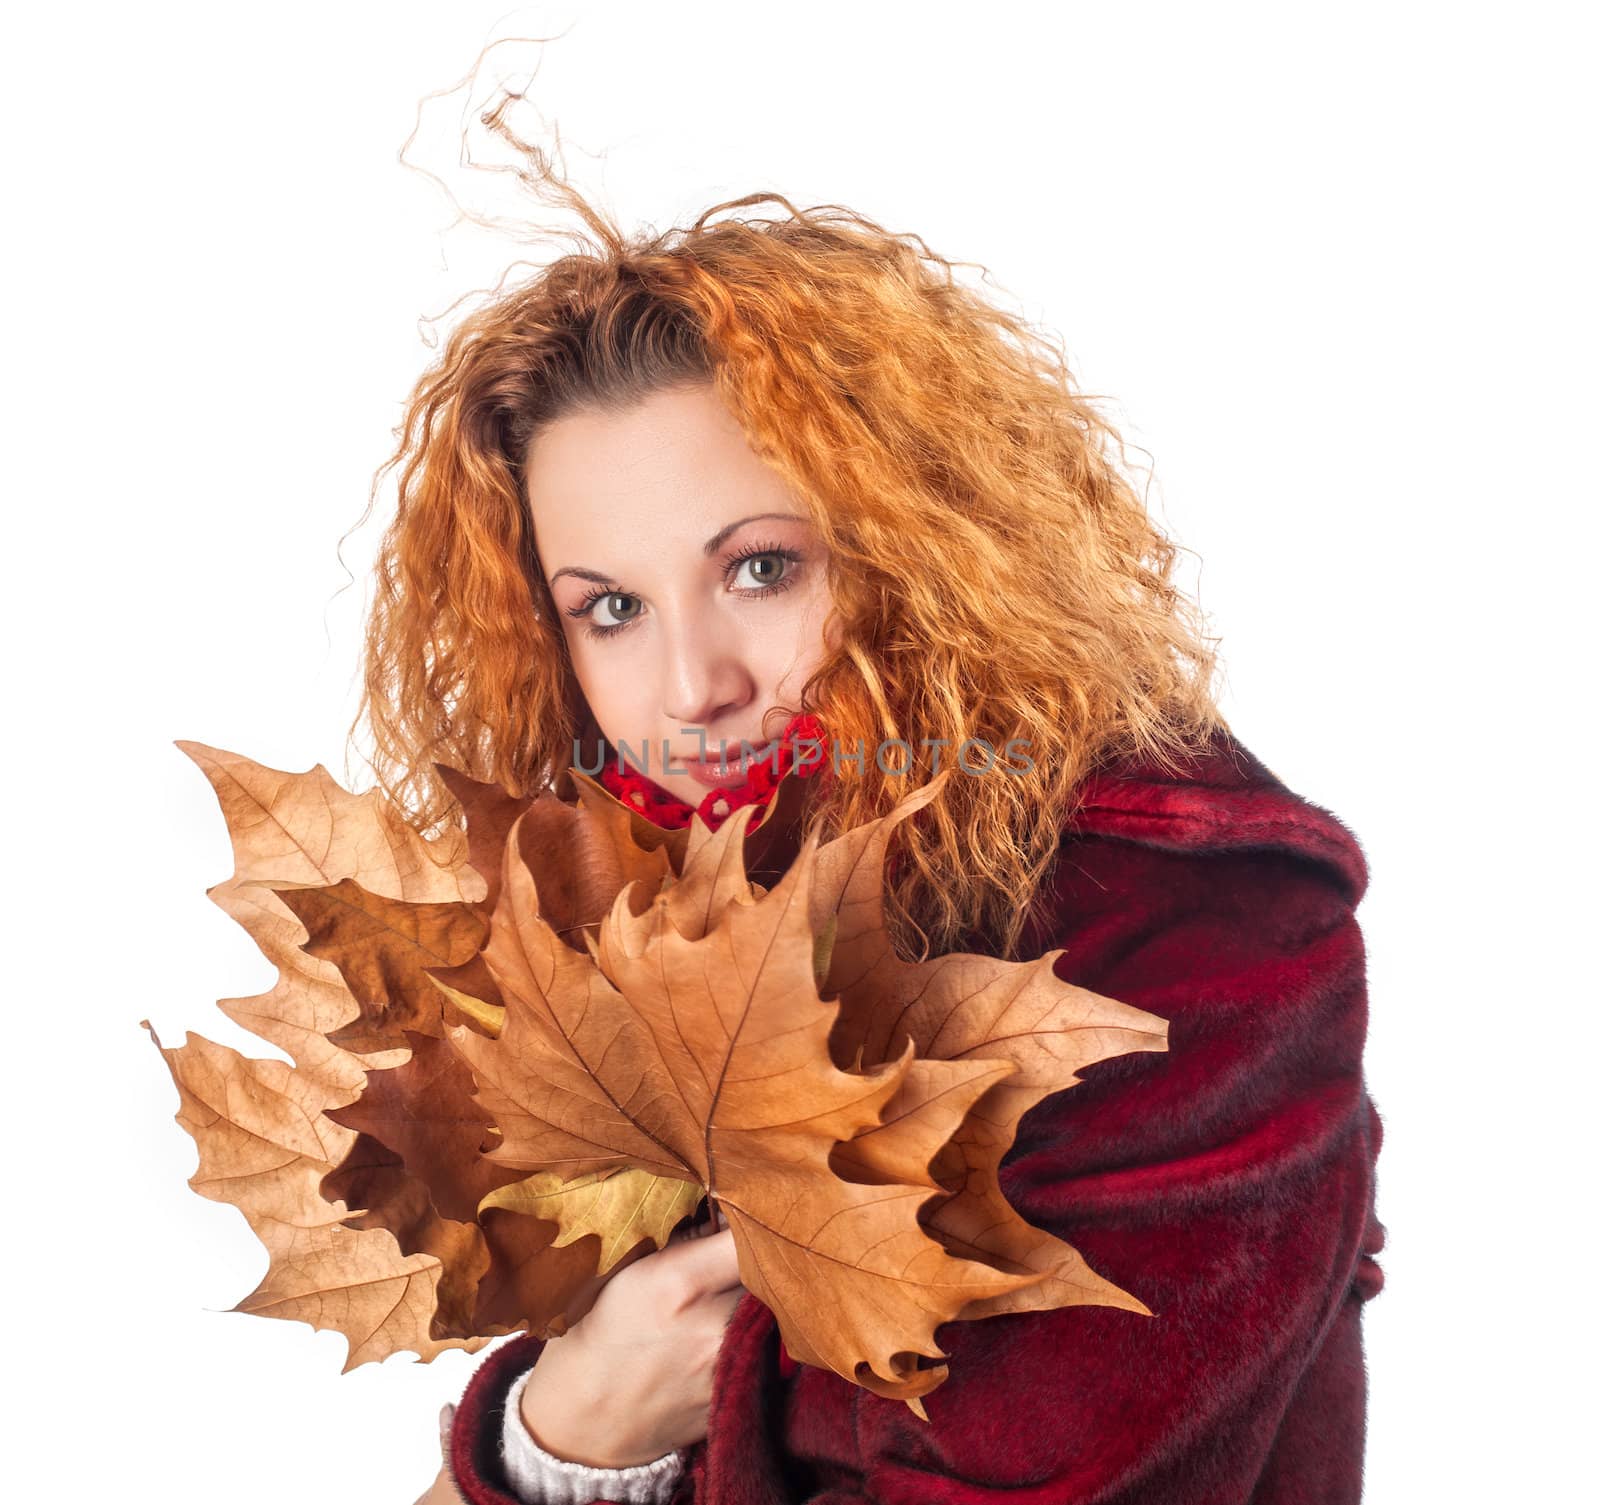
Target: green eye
pixel 600 627
pixel 771 568
pixel 607 603
pixel 766 569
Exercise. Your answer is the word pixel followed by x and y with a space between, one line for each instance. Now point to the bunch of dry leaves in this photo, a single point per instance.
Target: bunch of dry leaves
pixel 524 1054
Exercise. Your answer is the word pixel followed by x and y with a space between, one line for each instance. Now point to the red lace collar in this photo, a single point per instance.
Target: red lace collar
pixel 663 808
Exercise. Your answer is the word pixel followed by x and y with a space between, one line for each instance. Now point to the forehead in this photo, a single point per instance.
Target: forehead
pixel 612 489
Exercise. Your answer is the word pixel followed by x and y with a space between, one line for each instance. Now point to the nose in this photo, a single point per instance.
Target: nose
pixel 703 677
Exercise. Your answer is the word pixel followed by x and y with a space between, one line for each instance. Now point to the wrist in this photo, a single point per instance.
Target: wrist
pixel 563 1412
pixel 535 1474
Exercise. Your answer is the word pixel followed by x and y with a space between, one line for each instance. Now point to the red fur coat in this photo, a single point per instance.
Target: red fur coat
pixel 1228 1183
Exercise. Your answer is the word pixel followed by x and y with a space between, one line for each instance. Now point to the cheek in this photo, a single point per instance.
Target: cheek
pixel 795 644
pixel 611 695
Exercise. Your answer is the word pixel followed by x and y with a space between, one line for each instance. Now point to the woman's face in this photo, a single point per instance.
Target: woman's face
pixel 689 582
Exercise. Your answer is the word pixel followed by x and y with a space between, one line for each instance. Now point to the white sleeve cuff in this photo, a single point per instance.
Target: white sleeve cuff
pixel 540 1478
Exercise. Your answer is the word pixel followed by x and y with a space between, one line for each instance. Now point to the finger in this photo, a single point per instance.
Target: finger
pixel 692 1225
pixel 712 1262
pixel 726 1303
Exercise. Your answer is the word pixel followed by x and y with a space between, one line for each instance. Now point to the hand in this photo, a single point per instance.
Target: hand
pixel 631 1381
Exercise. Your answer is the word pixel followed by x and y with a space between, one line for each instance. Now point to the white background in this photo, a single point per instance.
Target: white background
pixel 1333 269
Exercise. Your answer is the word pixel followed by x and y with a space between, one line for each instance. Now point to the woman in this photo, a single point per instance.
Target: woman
pixel 698 485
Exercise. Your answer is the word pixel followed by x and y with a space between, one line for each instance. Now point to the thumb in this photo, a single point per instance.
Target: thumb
pixel 447 1416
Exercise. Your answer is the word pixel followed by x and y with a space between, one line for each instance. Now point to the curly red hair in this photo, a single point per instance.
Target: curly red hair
pixel 995 572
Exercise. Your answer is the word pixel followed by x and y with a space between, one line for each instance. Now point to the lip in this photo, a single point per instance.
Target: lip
pixel 712 774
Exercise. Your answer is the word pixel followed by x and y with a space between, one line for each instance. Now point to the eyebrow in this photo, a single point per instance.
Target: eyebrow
pixel 709 548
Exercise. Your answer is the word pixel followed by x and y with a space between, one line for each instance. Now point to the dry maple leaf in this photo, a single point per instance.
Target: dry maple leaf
pixel 699 1052
pixel 528 1060
pixel 303 829
pixel 265 1143
pixel 262 1127
pixel 962 1011
pixel 381 947
pixel 964 1007
pixel 420 1129
pixel 380 1178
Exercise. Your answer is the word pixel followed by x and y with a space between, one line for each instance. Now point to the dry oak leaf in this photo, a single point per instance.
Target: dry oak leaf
pixel 697 1050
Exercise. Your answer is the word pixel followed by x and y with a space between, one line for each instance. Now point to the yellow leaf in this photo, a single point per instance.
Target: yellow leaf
pixel 619 1207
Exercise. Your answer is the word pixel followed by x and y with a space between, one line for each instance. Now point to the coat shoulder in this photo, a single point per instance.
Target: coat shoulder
pixel 1220 799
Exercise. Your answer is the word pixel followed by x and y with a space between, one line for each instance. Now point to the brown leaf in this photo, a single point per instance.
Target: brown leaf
pixel 421 1112
pixel 489 814
pixel 537 1079
pixel 421 1128
pixel 373 1179
pixel 714 1069
pixel 265 1143
pixel 591 846
pixel 644 1023
pixel 309 1001
pixel 965 1007
pixel 381 947
pixel 303 829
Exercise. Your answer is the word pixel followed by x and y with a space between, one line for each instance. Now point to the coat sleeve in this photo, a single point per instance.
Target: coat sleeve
pixel 1228 1183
